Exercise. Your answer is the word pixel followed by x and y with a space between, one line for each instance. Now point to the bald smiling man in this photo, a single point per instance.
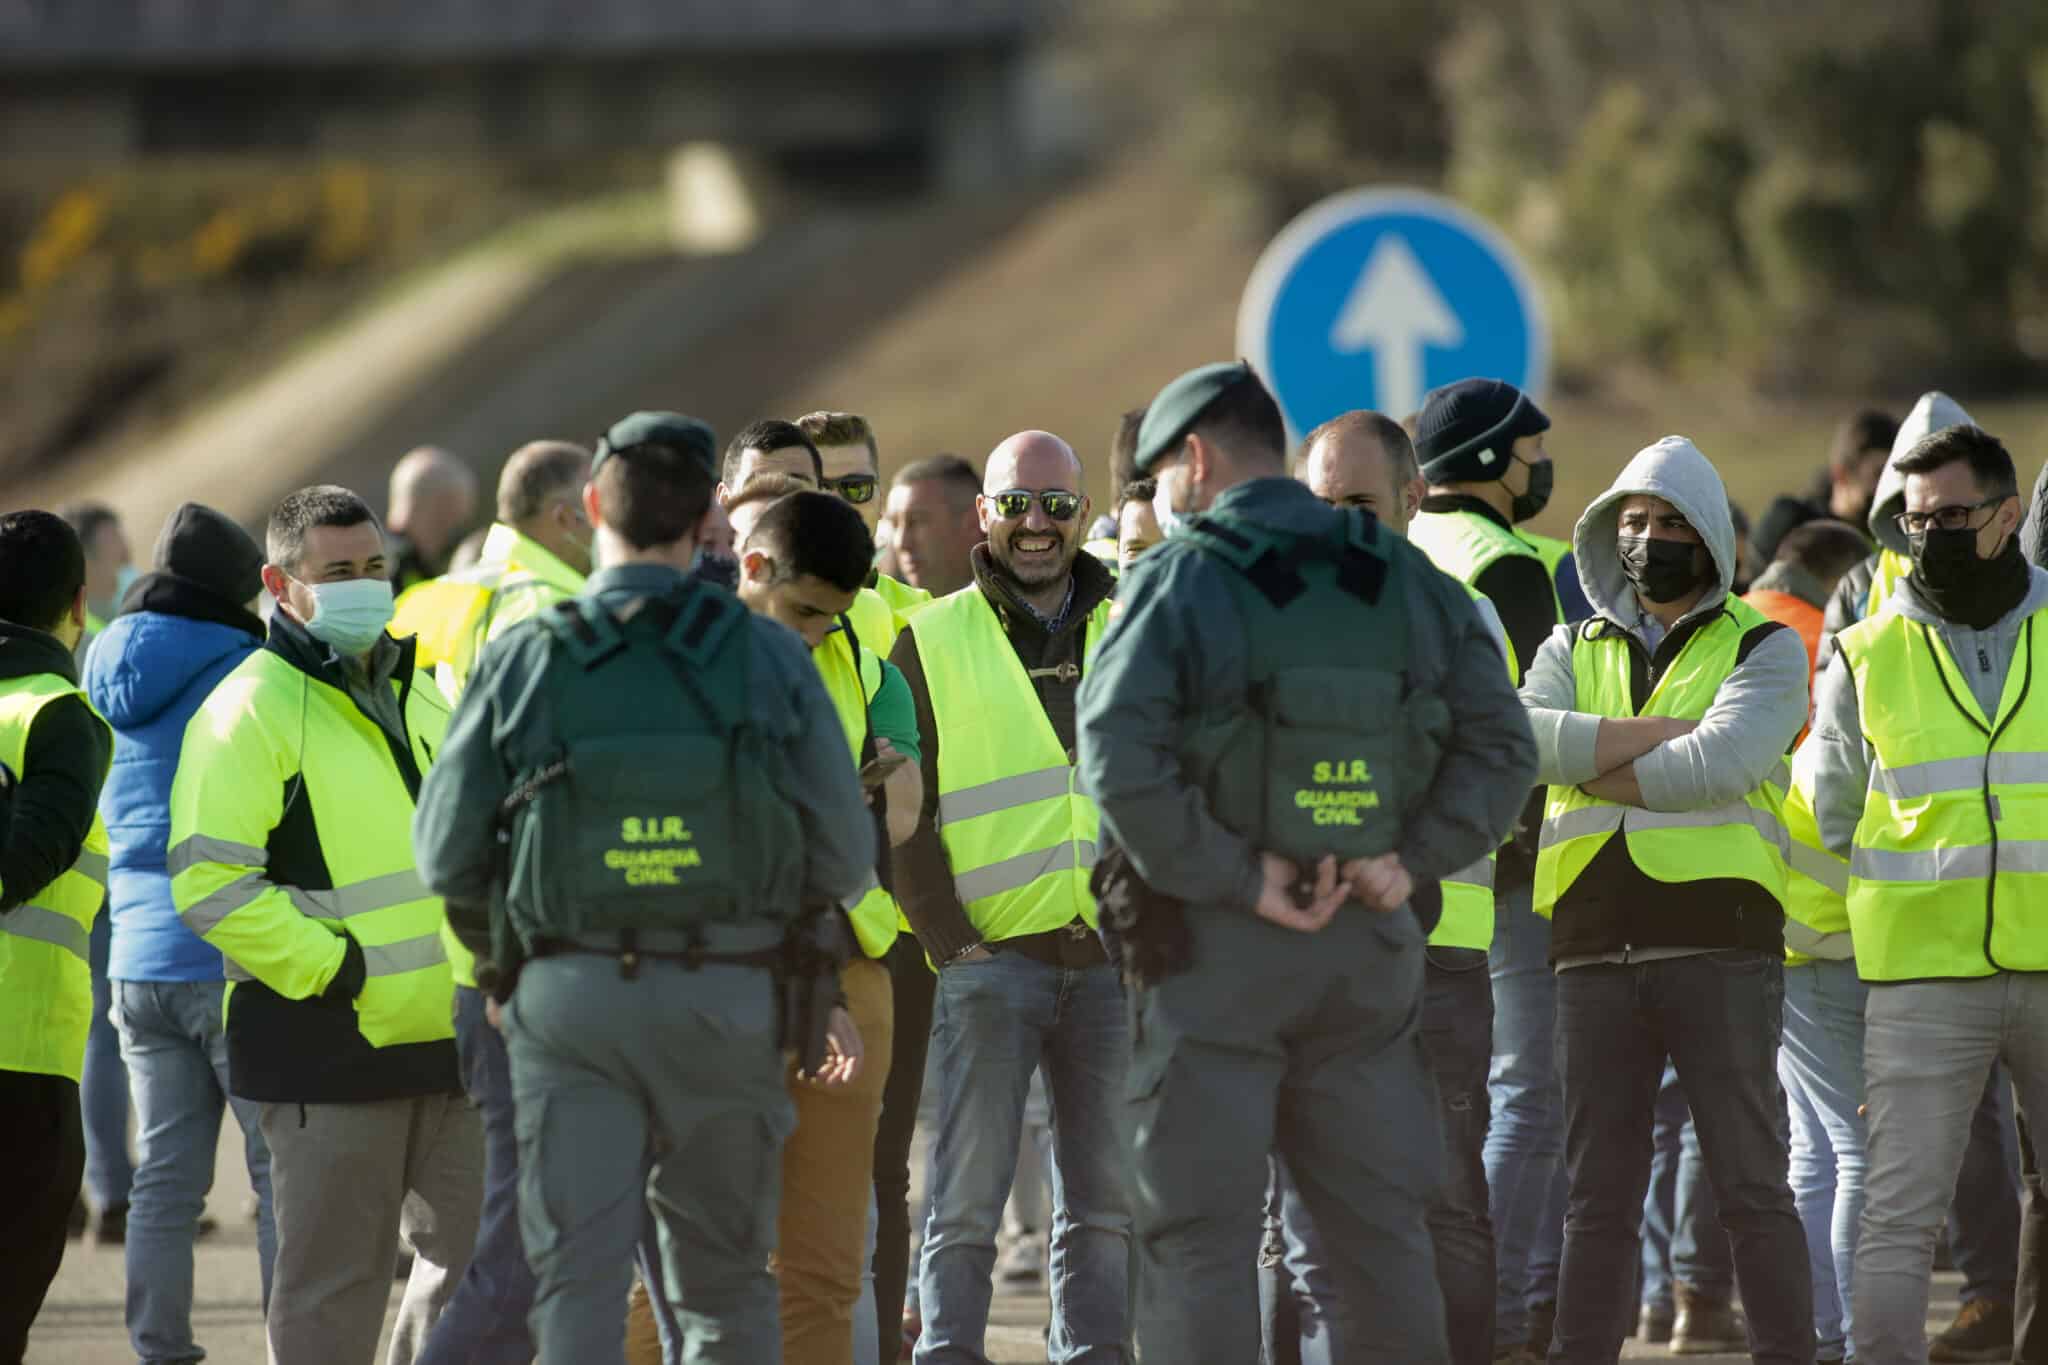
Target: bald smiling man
pixel 998 896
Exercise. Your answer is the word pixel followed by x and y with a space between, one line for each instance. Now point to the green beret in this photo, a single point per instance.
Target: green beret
pixel 669 430
pixel 1178 405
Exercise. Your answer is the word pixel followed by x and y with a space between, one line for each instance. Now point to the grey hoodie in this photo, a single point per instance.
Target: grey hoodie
pixel 1834 762
pixel 1935 411
pixel 1759 707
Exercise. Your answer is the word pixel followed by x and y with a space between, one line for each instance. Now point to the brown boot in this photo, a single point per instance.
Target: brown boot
pixel 1981 1331
pixel 1706 1327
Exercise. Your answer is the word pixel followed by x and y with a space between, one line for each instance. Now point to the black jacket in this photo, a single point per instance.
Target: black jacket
pixel 63 766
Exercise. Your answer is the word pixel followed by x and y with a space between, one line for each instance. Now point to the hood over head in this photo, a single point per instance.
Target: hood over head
pixel 2034 530
pixel 1673 469
pixel 1935 411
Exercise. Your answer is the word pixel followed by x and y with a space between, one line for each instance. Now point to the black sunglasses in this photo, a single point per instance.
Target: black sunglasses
pixel 855 488
pixel 1012 503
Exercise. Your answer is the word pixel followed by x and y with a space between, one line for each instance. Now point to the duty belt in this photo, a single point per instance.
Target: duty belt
pixel 724 945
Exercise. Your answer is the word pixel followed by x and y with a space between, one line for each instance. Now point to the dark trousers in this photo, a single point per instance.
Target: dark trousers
pixel 2030 1325
pixel 42 1159
pixel 485 1320
pixel 1308 1046
pixel 914 984
pixel 1295 1287
pixel 1716 1017
pixel 1984 1217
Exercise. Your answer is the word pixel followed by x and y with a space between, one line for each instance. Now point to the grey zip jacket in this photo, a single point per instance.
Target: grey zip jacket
pixel 1760 706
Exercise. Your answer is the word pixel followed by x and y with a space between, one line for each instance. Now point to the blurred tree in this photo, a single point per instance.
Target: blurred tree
pixel 1828 194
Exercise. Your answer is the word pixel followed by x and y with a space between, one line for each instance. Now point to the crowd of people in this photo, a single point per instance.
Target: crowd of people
pixel 1309 916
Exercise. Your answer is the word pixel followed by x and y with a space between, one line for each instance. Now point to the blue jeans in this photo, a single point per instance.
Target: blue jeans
pixel 1682 1238
pixel 103 1088
pixel 992 1023
pixel 1525 1142
pixel 485 1320
pixel 1821 1067
pixel 1716 1017
pixel 1297 1288
pixel 174 1042
pixel 1984 1217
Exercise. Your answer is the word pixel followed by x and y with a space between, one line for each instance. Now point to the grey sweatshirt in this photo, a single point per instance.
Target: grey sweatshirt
pixel 1760 706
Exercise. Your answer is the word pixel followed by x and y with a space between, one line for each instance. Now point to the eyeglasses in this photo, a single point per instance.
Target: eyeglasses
pixel 1954 517
pixel 1013 503
pixel 855 488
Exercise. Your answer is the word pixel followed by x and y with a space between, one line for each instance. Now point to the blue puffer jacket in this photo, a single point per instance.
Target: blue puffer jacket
pixel 147 672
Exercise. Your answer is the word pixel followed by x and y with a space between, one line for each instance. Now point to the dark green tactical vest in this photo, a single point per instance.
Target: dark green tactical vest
pixel 657 812
pixel 1330 747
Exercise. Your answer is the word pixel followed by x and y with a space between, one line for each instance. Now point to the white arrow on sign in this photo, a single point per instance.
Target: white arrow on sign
pixel 1394 311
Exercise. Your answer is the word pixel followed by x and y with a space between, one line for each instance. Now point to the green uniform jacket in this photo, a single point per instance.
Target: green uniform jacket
pixel 505 724
pixel 1170 654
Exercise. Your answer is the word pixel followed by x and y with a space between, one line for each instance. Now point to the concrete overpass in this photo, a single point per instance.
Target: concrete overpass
pixel 936 88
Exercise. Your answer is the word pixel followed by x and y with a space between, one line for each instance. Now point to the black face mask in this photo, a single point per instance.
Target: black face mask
pixel 721 571
pixel 1660 570
pixel 1961 585
pixel 1530 504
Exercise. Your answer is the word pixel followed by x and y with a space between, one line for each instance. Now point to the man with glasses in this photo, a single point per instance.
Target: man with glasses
pixel 852 469
pixel 995 884
pixel 1929 746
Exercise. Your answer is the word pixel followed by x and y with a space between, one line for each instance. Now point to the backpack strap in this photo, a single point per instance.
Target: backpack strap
pixel 1271 561
pixel 585 629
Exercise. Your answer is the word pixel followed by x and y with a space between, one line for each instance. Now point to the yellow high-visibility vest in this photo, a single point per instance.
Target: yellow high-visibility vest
pixel 1948 876
pixel 1743 840
pixel 45 963
pixel 1816 888
pixel 1468 893
pixel 875 916
pixel 1018 831
pixel 454 616
pixel 1466 544
pixel 902 598
pixel 282 779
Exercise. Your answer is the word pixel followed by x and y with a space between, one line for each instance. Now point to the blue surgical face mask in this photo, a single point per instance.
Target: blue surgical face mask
pixel 351 614
pixel 124 579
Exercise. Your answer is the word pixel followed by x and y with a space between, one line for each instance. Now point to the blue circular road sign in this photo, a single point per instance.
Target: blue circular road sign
pixel 1372 298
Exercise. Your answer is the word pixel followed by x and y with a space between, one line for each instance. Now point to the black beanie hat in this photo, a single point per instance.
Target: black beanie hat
pixel 1467 430
pixel 210 549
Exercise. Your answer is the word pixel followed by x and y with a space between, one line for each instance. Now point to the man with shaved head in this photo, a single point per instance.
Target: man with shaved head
pixel 433 497
pixel 995 884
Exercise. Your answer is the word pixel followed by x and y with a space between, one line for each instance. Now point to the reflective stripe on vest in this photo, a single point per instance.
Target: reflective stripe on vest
pixel 1816 887
pixel 1744 840
pixel 270 731
pixel 1948 875
pixel 45 956
pixel 1018 831
pixel 875 916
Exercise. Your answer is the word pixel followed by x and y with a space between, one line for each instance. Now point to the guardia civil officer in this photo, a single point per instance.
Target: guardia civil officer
pixel 1294 721
pixel 673 781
